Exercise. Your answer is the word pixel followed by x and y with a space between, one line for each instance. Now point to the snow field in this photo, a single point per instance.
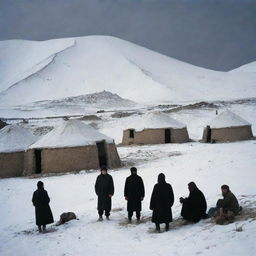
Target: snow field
pixel 209 166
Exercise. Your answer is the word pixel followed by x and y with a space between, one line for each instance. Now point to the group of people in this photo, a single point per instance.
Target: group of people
pixel 162 198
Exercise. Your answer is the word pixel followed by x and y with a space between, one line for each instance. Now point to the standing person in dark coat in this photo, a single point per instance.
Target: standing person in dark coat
pixel 104 188
pixel 194 206
pixel 41 202
pixel 134 193
pixel 161 203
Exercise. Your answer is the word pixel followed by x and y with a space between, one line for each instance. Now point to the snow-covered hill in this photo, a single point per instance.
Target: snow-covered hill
pixel 102 99
pixel 250 67
pixel 33 71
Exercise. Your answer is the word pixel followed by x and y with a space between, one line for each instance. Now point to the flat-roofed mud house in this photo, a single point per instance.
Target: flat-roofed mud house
pixel 227 127
pixel 72 146
pixel 14 141
pixel 155 128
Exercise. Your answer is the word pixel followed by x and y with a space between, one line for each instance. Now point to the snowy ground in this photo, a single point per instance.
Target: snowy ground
pixel 209 165
pixel 64 68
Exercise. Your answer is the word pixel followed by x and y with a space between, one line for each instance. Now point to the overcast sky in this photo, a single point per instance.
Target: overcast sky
pixel 217 34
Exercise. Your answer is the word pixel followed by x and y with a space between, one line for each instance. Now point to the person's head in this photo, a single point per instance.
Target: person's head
pixel 40 185
pixel 225 189
pixel 133 170
pixel 161 178
pixel 192 186
pixel 104 170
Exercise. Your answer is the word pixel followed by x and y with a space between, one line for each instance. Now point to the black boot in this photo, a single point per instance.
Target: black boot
pixel 157 227
pixel 167 227
pixel 138 216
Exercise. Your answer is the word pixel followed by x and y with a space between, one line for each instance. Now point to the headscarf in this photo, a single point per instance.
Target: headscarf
pixel 161 178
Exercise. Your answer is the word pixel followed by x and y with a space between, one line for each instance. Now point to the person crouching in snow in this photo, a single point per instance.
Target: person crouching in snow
pixel 161 203
pixel 194 206
pixel 228 207
pixel 134 193
pixel 43 211
pixel 104 188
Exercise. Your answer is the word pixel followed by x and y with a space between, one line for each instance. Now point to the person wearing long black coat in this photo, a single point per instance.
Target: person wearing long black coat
pixel 134 193
pixel 194 206
pixel 104 188
pixel 43 211
pixel 161 203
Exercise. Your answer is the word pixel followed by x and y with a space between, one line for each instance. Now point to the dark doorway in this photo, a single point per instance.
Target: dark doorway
pixel 167 135
pixel 131 133
pixel 38 160
pixel 208 134
pixel 102 154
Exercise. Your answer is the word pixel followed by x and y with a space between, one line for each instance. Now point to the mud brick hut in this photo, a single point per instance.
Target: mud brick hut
pixel 227 127
pixel 155 128
pixel 72 146
pixel 14 141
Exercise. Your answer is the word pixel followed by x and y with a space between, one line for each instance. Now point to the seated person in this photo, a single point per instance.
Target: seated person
pixel 194 206
pixel 228 207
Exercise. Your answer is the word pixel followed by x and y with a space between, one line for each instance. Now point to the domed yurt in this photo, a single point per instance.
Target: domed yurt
pixel 227 127
pixel 14 141
pixel 155 128
pixel 72 146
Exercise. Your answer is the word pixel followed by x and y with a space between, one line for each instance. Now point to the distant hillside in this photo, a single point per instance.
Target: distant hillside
pixel 98 100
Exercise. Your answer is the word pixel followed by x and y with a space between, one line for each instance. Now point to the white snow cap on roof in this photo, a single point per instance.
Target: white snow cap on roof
pixel 154 120
pixel 14 138
pixel 228 119
pixel 71 133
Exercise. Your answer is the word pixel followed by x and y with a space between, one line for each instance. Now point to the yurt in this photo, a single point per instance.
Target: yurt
pixel 226 127
pixel 155 128
pixel 72 146
pixel 14 141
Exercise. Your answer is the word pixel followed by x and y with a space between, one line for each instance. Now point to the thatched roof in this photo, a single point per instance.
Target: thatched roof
pixel 155 120
pixel 72 133
pixel 14 138
pixel 228 119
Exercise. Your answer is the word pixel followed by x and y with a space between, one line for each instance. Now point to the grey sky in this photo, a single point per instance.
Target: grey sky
pixel 217 34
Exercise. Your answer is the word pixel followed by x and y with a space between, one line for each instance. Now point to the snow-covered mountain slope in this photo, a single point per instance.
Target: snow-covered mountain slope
pixel 20 59
pixel 71 67
pixel 250 67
